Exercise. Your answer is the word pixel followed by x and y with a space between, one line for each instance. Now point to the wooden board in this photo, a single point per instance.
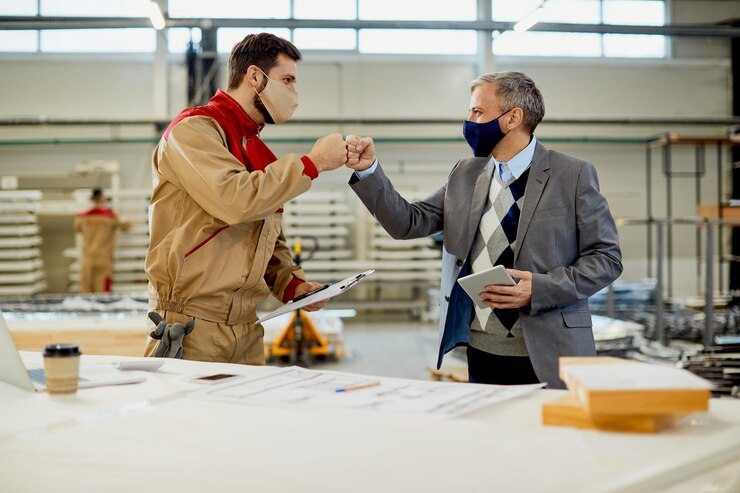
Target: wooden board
pixel 451 374
pixel 568 411
pixel 711 211
pixel 99 342
pixel 633 401
pixel 678 139
pixel 586 360
pixel 637 402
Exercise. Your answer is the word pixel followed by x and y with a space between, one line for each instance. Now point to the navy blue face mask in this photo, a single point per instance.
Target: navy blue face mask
pixel 483 137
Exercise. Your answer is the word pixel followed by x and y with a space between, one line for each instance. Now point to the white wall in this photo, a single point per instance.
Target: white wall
pixel 697 82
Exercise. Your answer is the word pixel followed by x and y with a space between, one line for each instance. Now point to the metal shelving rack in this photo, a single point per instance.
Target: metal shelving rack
pixel 664 145
pixel 21 267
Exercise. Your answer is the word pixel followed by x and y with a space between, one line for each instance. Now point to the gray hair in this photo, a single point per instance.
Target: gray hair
pixel 516 90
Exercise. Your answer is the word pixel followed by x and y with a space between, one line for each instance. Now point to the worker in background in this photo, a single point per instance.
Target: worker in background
pixel 98 227
pixel 217 246
pixel 537 212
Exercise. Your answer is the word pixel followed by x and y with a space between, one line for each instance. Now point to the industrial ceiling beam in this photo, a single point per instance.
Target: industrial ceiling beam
pixel 41 22
pixel 697 121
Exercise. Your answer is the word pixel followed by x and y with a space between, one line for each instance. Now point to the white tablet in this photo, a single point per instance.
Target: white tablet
pixel 474 284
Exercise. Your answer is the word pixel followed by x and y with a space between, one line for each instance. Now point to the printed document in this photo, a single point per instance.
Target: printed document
pixel 310 389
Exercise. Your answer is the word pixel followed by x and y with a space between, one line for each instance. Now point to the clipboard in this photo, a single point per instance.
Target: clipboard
pixel 331 291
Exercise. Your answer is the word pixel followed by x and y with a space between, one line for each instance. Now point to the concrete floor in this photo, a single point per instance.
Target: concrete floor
pixel 393 349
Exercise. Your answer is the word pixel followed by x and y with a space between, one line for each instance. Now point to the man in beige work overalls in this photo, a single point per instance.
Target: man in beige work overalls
pixel 98 227
pixel 217 246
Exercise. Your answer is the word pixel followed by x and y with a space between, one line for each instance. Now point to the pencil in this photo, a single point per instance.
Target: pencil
pixel 358 387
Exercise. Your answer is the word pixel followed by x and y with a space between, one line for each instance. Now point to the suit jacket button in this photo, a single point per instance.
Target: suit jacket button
pixel 447 299
pixel 459 262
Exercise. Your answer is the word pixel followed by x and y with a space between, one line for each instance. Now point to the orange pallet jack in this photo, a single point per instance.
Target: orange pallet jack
pixel 300 341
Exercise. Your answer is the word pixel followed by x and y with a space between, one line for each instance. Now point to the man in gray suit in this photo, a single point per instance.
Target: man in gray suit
pixel 537 212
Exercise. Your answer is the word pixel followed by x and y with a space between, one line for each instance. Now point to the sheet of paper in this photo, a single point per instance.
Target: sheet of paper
pixel 634 376
pixel 297 387
pixel 332 291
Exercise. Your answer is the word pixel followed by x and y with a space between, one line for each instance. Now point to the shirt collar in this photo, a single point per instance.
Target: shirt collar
pixel 519 163
pixel 234 111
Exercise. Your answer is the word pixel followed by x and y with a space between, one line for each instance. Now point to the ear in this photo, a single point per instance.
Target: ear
pixel 253 76
pixel 516 118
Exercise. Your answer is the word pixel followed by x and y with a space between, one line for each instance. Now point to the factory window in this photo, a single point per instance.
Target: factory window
pixel 19 7
pixel 95 8
pixel 568 11
pixel 376 41
pixel 229 9
pixel 19 41
pixel 634 46
pixel 534 43
pixel 227 37
pixel 418 41
pixel 634 12
pixel 531 43
pixel 325 9
pixel 325 39
pixel 129 40
pixel 419 10
pixel 179 37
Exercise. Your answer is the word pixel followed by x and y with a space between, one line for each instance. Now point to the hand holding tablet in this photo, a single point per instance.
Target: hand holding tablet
pixel 474 284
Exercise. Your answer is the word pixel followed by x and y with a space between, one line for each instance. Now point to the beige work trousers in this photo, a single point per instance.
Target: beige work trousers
pixel 213 341
pixel 95 276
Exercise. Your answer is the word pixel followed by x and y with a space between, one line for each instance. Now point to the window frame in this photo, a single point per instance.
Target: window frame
pixel 358 54
pixel 668 40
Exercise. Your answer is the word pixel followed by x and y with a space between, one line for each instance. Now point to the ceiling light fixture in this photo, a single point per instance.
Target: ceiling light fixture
pixel 529 20
pixel 156 17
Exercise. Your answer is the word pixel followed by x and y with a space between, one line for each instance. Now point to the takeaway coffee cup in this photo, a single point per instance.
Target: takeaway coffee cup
pixel 62 368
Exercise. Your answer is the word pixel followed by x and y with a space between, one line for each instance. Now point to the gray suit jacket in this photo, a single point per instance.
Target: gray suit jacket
pixel 566 237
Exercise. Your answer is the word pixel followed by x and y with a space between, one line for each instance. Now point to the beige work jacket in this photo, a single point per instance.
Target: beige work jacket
pixel 216 243
pixel 98 228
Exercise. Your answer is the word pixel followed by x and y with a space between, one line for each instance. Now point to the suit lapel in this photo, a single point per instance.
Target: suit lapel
pixel 480 195
pixel 538 176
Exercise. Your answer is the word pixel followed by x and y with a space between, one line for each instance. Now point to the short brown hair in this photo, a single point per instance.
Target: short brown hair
pixel 261 50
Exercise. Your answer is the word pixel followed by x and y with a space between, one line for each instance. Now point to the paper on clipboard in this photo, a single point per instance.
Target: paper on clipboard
pixel 332 291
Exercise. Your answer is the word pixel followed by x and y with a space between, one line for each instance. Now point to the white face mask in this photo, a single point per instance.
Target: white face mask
pixel 280 100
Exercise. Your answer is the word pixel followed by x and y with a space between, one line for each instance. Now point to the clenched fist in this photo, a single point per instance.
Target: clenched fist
pixel 328 153
pixel 360 152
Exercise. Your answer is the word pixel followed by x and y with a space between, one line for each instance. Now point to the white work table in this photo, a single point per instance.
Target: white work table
pixel 155 436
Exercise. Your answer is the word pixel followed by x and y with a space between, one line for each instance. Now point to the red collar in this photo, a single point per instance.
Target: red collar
pixel 235 113
pixel 95 211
